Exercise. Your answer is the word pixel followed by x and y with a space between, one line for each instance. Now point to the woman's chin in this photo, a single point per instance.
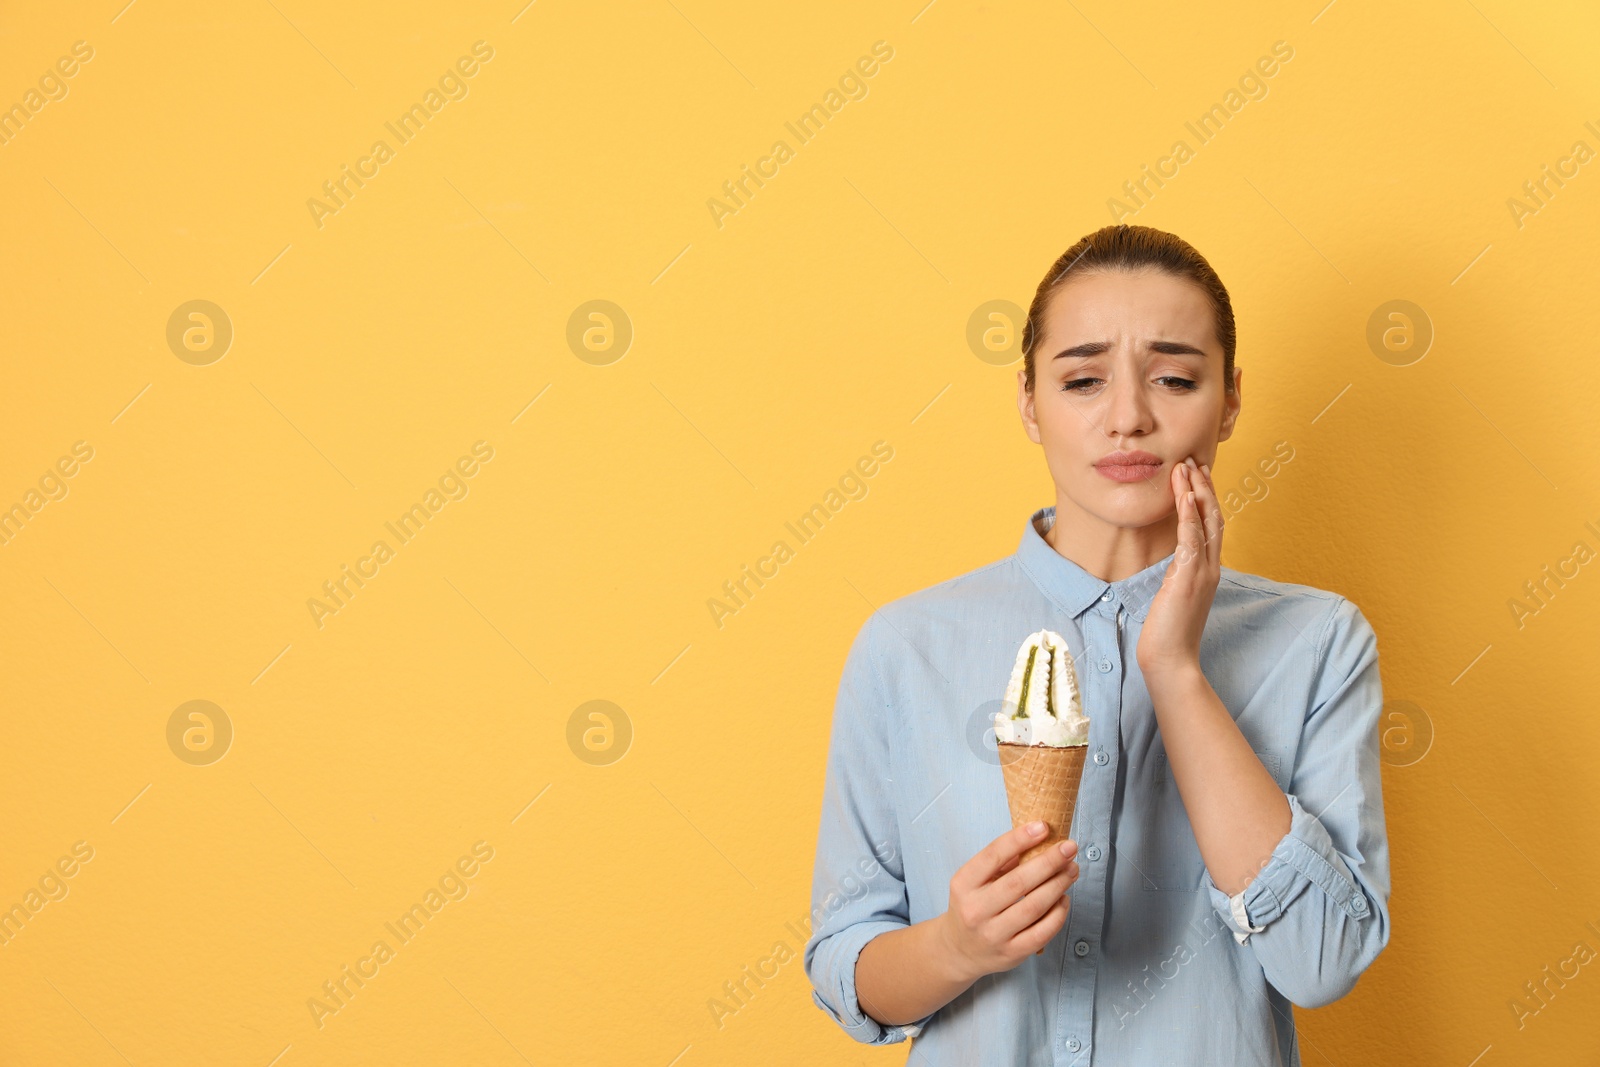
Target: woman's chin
pixel 1128 507
pixel 1125 509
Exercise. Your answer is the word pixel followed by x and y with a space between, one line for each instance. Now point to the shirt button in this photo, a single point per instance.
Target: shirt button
pixel 1105 597
pixel 1081 948
pixel 1105 666
pixel 1093 852
pixel 1101 758
pixel 1360 905
pixel 1073 1044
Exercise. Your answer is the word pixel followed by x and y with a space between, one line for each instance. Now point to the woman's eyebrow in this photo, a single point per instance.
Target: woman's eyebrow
pixel 1088 348
pixel 1166 348
pixel 1175 348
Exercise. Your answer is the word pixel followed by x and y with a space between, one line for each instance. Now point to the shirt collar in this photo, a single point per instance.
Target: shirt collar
pixel 1074 589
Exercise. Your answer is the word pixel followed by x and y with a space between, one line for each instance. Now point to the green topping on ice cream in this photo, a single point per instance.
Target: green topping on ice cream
pixel 1040 712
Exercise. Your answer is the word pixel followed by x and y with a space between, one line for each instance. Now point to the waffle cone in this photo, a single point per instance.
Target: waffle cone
pixel 1042 783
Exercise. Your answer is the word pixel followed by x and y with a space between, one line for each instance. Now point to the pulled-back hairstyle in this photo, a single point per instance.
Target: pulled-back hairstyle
pixel 1131 248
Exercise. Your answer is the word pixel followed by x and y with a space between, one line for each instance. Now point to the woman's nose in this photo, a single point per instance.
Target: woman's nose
pixel 1127 407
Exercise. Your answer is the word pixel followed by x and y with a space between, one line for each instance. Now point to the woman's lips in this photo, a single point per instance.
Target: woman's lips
pixel 1128 472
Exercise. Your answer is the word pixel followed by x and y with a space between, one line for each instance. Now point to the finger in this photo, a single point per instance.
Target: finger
pixel 1211 511
pixel 1008 865
pixel 1193 519
pixel 1015 861
pixel 996 854
pixel 1025 912
pixel 1219 517
pixel 1011 887
pixel 1180 496
pixel 1191 532
pixel 1037 936
pixel 1180 490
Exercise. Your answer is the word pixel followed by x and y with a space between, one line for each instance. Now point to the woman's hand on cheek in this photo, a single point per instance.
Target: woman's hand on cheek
pixel 1170 641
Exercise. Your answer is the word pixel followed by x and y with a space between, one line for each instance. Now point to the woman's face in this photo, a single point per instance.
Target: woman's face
pixel 1127 362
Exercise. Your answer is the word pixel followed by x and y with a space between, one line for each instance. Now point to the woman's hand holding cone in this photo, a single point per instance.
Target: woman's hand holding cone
pixel 1001 911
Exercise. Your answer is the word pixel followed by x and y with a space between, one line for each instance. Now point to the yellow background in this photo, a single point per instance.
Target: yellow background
pixel 768 355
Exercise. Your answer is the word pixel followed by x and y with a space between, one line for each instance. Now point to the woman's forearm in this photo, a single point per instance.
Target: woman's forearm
pixel 1236 809
pixel 908 974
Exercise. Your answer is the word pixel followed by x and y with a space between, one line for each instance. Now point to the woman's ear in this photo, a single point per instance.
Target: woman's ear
pixel 1025 407
pixel 1231 403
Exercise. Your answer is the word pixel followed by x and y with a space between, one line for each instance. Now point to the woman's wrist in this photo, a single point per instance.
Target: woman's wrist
pixel 949 962
pixel 908 974
pixel 1174 681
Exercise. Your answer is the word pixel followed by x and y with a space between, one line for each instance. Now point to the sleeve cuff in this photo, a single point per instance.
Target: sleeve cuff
pixel 842 1004
pixel 1304 856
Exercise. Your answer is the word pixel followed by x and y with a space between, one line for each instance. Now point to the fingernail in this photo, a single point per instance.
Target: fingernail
pixel 1190 461
pixel 1066 850
pixel 1207 468
pixel 1035 829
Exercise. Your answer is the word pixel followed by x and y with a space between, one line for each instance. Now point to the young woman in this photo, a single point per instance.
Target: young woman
pixel 1228 857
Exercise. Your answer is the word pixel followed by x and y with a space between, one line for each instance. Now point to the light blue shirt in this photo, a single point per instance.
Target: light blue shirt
pixel 1156 966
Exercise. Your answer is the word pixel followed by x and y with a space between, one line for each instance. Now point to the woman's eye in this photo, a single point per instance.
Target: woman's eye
pixel 1078 385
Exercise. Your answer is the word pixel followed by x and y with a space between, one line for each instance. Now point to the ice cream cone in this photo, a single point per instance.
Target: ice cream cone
pixel 1042 736
pixel 1042 783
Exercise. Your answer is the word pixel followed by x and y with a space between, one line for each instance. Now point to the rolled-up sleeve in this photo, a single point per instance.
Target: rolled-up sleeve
pixel 1317 913
pixel 858 884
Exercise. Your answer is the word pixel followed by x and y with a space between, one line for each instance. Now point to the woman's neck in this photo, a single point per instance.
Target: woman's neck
pixel 1110 553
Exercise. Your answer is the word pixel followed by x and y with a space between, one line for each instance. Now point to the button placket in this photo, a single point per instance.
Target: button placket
pixel 1102 695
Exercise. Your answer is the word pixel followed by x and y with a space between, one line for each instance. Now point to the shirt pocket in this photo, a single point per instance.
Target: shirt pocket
pixel 1168 855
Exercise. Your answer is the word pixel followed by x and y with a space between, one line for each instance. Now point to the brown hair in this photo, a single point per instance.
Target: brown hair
pixel 1131 248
